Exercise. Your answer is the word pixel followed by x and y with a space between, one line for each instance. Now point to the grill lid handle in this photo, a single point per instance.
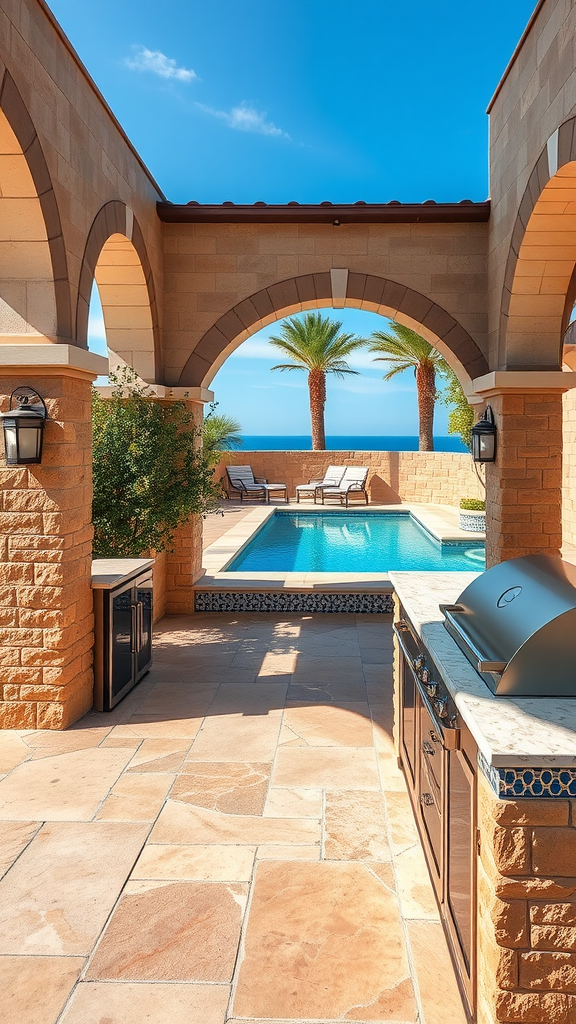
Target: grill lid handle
pixel 483 664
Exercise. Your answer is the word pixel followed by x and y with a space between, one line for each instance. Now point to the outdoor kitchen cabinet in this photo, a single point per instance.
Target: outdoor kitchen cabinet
pixel 438 756
pixel 123 606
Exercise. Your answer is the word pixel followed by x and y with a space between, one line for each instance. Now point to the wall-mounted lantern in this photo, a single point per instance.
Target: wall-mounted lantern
pixel 24 427
pixel 484 438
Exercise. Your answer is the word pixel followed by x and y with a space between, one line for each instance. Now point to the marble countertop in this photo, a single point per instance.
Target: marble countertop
pixel 110 572
pixel 510 732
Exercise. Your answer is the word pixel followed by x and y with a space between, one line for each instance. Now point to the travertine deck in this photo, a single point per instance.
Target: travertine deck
pixel 232 843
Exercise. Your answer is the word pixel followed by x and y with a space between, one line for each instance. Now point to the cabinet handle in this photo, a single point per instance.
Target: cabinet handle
pixel 428 748
pixel 427 799
pixel 140 625
pixel 134 628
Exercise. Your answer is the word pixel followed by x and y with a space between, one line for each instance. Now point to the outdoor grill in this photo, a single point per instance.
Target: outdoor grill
pixel 516 624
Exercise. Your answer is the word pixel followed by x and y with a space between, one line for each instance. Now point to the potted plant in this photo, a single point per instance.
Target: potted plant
pixel 473 515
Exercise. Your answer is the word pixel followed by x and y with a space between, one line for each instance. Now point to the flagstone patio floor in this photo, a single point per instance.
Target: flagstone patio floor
pixel 232 843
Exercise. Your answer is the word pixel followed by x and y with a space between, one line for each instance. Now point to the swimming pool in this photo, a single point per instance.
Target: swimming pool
pixel 352 542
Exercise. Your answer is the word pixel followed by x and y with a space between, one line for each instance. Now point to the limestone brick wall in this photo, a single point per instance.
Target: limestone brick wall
pixel 438 477
pixel 89 158
pixel 523 489
pixel 569 468
pixel 535 98
pixel 46 620
pixel 526 910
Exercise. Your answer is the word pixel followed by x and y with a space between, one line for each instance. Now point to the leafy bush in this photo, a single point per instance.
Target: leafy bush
pixel 150 472
pixel 473 505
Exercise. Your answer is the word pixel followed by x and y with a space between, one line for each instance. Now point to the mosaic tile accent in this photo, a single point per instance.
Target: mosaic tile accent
pixel 514 783
pixel 268 601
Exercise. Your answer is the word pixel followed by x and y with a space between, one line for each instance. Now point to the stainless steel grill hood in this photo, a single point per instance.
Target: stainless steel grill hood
pixel 516 624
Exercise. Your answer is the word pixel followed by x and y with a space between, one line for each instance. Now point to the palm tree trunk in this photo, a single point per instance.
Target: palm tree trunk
pixel 317 387
pixel 426 390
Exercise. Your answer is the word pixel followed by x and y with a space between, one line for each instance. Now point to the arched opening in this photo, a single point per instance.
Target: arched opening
pixel 362 411
pixel 539 294
pixel 116 264
pixel 34 298
pixel 538 305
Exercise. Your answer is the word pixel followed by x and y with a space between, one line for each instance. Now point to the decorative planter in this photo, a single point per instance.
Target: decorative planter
pixel 474 522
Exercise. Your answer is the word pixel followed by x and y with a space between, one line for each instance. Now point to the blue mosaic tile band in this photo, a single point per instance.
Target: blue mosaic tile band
pixel 267 601
pixel 515 783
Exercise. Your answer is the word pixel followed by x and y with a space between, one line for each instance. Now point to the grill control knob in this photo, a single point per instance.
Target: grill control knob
pixel 424 675
pixel 432 689
pixel 418 662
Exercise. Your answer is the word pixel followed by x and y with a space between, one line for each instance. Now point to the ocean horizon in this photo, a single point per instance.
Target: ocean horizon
pixel 346 442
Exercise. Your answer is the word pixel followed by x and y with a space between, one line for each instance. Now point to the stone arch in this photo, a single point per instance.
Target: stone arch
pixel 34 287
pixel 115 257
pixel 540 284
pixel 313 291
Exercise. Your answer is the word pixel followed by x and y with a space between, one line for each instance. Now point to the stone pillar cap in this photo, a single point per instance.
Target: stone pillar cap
pixel 51 360
pixel 501 381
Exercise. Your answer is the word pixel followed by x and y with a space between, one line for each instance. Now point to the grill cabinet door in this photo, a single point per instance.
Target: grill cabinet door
pixel 408 717
pixel 431 768
pixel 460 882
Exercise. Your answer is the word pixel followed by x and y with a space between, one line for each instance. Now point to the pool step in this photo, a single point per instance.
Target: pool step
pixel 214 600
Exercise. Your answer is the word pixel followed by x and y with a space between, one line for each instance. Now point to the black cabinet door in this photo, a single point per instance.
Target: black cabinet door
pixel 122 619
pixel 143 641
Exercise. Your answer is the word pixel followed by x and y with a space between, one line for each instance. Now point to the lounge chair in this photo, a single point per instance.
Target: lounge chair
pixel 332 478
pixel 242 481
pixel 353 482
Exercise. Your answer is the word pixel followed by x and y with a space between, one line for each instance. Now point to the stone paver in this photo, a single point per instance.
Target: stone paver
pixel 233 842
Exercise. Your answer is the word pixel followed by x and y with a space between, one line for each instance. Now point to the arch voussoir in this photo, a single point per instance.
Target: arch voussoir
pixel 365 290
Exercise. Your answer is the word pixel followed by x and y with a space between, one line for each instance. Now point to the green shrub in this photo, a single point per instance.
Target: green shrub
pixel 150 472
pixel 473 504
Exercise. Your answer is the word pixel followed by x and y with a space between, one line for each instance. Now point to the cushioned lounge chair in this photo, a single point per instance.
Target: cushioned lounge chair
pixel 353 482
pixel 332 478
pixel 242 481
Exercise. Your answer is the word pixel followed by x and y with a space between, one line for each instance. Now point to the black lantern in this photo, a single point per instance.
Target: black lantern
pixel 24 427
pixel 484 438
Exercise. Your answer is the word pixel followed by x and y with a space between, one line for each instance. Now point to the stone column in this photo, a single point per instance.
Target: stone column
pixel 524 485
pixel 46 635
pixel 526 909
pixel 184 562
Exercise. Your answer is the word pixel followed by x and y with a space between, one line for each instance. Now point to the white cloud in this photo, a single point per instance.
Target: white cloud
pixel 245 118
pixel 159 64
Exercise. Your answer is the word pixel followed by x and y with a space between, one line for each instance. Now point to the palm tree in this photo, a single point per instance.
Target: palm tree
pixel 403 349
pixel 220 433
pixel 314 343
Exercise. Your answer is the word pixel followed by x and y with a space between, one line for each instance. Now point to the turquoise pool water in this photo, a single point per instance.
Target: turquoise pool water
pixel 351 542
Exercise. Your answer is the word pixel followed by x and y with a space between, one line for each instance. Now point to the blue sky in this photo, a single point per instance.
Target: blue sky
pixel 306 100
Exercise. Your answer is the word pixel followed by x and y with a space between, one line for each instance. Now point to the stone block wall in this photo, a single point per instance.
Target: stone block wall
pixel 569 467
pixel 437 477
pixel 46 620
pixel 524 487
pixel 526 910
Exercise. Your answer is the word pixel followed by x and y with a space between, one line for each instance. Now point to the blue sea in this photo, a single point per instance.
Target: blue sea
pixel 346 442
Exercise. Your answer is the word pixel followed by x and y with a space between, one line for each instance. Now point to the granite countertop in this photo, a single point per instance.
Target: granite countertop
pixel 510 732
pixel 111 572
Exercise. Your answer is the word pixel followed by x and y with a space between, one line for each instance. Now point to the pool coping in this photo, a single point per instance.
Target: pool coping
pixel 439 520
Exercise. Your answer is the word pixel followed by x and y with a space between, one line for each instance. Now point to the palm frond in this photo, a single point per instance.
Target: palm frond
pixel 315 342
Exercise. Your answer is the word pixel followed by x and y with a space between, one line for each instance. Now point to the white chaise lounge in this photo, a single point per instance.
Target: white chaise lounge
pixel 353 482
pixel 242 481
pixel 332 478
